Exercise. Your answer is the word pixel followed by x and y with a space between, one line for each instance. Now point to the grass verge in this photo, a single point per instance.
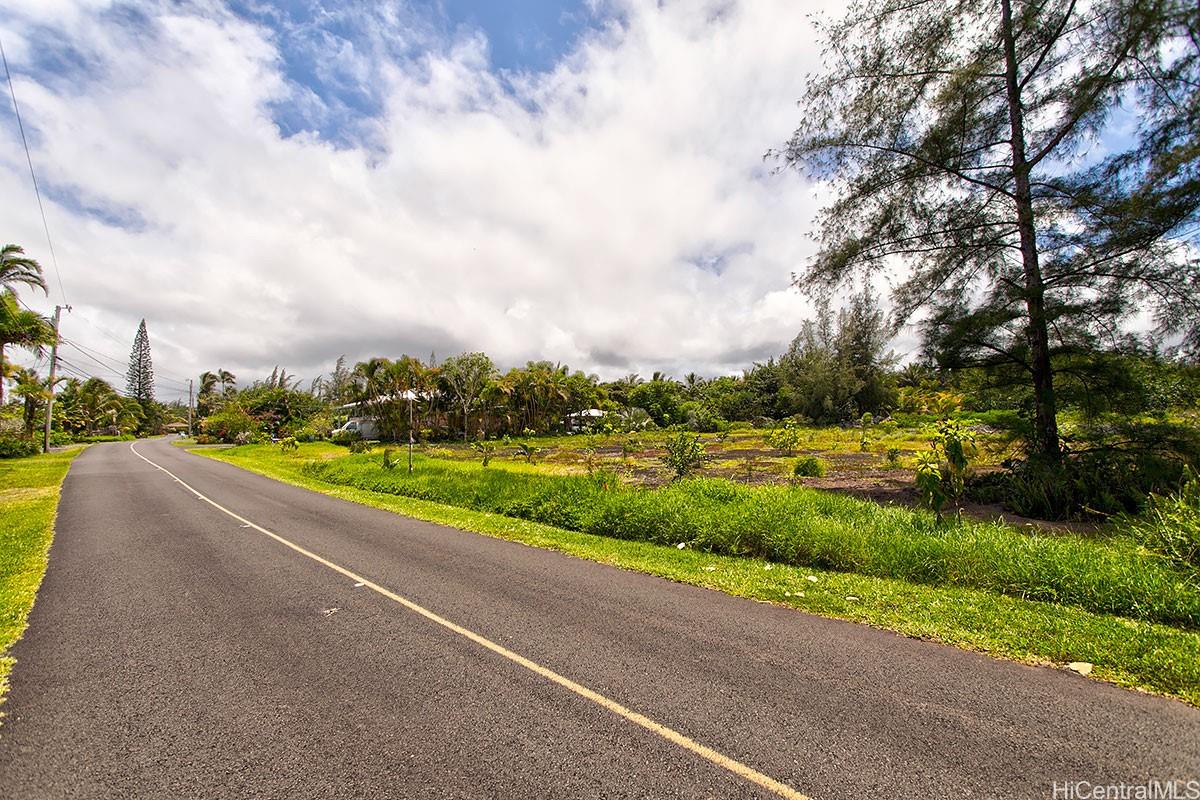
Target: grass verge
pixel 29 489
pixel 1128 652
pixel 803 527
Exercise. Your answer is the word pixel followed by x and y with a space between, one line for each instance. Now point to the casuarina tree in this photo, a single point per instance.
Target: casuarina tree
pixel 1031 170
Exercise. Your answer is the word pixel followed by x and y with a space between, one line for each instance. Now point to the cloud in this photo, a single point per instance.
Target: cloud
pixel 613 213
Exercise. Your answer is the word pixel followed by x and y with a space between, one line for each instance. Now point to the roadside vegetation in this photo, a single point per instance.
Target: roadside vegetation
pixel 29 490
pixel 969 584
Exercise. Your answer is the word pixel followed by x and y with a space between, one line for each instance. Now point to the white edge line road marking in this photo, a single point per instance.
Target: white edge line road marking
pixel 671 735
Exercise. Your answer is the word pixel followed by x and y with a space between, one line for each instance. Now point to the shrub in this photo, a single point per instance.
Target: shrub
pixel 389 460
pixel 485 449
pixel 232 424
pixel 527 451
pixel 288 445
pixel 785 438
pixel 809 467
pixel 1171 524
pixel 344 438
pixel 685 453
pixel 891 459
pixel 699 418
pixel 14 446
pixel 361 446
pixel 941 472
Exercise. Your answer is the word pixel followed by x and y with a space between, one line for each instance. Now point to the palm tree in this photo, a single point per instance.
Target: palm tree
pixel 693 384
pixel 32 389
pixel 227 379
pixel 16 267
pixel 20 328
pixel 208 387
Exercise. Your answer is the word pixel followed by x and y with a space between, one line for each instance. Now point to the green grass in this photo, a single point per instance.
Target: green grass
pixel 1127 651
pixel 29 490
pixel 805 527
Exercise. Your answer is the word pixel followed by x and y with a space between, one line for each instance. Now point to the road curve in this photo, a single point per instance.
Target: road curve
pixel 178 650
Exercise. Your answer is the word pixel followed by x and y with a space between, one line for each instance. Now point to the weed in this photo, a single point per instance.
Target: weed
pixel 809 467
pixel 1171 524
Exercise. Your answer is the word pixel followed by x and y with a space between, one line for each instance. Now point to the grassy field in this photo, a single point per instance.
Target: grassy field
pixel 969 585
pixel 29 490
pixel 854 453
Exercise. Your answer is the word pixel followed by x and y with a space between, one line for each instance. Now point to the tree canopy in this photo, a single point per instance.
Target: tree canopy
pixel 1035 168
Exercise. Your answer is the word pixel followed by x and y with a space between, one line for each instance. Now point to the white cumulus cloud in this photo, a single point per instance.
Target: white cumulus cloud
pixel 614 213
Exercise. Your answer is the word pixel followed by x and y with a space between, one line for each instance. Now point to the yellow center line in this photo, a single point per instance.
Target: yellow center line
pixel 657 728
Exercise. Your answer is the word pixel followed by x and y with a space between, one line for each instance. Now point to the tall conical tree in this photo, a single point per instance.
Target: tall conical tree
pixel 139 381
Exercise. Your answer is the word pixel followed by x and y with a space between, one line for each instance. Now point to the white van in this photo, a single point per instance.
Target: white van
pixel 363 427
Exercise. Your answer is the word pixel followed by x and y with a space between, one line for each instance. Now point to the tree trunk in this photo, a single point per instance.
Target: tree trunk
pixel 1 376
pixel 1045 425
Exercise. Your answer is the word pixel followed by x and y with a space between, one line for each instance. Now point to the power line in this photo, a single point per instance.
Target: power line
pixel 76 371
pixel 172 375
pixel 93 358
pixel 28 158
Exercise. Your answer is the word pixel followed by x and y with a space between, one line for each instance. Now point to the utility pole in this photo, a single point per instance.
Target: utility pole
pixel 50 382
pixel 189 407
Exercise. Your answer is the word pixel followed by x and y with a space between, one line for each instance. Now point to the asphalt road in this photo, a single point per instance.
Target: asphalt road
pixel 175 652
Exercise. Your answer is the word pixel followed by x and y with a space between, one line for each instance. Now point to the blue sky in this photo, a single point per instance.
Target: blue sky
pixel 318 40
pixel 524 34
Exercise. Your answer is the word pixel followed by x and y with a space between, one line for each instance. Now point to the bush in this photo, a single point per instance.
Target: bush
pixel 232 424
pixel 891 458
pixel 485 449
pixel 1092 485
pixel 942 471
pixel 288 445
pixel 361 446
pixel 13 446
pixel 809 467
pixel 699 418
pixel 344 438
pixel 784 438
pixel 685 453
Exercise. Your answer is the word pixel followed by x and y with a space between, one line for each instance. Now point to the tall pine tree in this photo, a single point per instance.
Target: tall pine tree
pixel 1035 164
pixel 139 381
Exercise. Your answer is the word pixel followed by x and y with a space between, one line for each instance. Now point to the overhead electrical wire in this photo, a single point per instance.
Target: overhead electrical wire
pixel 76 371
pixel 33 175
